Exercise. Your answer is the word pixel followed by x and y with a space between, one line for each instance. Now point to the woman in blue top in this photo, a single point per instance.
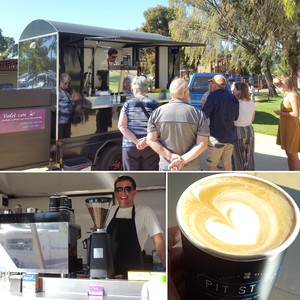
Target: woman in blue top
pixel 133 121
pixel 66 105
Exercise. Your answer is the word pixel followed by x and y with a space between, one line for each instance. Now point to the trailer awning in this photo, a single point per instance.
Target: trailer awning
pixel 129 37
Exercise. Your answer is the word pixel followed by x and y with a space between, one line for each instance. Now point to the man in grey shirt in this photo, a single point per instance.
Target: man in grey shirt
pixel 177 131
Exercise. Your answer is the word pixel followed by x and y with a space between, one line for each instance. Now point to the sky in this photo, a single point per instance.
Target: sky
pixel 118 14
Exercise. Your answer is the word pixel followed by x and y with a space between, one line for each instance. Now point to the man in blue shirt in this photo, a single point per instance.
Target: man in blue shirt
pixel 222 108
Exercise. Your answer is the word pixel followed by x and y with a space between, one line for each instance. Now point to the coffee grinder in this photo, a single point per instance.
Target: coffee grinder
pixel 100 261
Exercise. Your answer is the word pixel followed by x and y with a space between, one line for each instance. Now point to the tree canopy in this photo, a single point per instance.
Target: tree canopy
pixel 260 28
pixel 8 48
pixel 157 20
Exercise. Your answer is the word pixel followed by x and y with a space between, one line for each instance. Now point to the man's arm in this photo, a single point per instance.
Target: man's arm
pixel 153 142
pixel 160 246
pixel 194 152
pixel 199 147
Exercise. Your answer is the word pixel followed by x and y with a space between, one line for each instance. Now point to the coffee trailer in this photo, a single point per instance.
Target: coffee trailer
pixel 29 114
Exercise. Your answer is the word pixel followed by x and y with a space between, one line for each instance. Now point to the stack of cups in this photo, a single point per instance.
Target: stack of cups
pixel 54 203
pixel 64 203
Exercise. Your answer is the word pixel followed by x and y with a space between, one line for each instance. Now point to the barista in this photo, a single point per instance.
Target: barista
pixel 111 59
pixel 129 225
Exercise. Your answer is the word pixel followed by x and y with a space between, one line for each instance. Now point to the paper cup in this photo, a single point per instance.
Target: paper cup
pixel 222 259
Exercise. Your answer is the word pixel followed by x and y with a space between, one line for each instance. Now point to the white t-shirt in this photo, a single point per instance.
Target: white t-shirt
pixel 145 221
pixel 105 63
pixel 246 110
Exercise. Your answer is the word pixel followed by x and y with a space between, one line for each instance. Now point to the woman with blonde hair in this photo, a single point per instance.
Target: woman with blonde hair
pixel 288 135
pixel 243 151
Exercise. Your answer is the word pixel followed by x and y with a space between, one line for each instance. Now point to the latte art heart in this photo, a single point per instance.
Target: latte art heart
pixel 239 225
pixel 237 216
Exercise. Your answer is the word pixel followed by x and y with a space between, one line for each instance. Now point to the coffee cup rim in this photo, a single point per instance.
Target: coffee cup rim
pixel 244 257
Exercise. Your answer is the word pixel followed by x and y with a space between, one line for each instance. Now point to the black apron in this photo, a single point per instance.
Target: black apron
pixel 127 254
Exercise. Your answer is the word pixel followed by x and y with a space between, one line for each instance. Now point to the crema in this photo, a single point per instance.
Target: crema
pixel 235 215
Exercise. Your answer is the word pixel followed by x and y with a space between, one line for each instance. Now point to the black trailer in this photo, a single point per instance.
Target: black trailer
pixel 29 114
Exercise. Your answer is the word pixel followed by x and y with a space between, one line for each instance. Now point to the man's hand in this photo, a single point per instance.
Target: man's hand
pixel 142 144
pixel 176 283
pixel 177 163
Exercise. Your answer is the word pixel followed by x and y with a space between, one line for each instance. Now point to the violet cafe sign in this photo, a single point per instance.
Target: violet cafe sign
pixel 17 120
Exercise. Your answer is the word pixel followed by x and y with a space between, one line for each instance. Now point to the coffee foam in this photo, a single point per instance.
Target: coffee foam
pixel 236 215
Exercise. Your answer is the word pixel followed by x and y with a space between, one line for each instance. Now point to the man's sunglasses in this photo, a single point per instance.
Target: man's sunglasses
pixel 126 189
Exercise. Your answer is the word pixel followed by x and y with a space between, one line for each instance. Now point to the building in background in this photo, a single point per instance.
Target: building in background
pixel 8 73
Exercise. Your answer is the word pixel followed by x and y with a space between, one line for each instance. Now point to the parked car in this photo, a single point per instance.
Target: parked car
pixel 198 85
pixel 258 82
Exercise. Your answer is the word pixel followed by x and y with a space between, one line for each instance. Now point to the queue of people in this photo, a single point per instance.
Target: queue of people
pixel 231 134
pixel 179 133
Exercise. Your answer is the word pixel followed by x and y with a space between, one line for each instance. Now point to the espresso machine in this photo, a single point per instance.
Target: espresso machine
pixel 100 260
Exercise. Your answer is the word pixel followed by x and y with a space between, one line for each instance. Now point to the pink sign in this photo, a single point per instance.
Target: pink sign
pixel 17 120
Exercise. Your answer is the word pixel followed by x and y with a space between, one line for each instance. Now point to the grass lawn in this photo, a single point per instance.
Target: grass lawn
pixel 266 121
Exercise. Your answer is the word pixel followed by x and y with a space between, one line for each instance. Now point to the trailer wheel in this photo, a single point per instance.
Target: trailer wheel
pixel 110 159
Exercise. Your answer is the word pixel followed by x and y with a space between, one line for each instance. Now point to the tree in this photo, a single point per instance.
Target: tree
pixel 157 21
pixel 288 36
pixel 254 25
pixel 8 48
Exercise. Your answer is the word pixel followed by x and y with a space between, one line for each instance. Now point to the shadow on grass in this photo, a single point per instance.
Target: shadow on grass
pixel 265 118
pixel 265 101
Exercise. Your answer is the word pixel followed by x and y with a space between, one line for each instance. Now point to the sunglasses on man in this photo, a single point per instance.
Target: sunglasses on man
pixel 125 189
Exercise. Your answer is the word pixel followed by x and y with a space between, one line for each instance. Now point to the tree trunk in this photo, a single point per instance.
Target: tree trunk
pixel 293 66
pixel 291 51
pixel 268 76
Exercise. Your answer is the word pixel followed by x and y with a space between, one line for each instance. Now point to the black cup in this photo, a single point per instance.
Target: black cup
pixel 64 203
pixel 212 274
pixel 54 203
pixel 211 277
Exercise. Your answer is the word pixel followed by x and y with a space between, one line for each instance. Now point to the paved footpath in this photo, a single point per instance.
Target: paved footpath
pixel 268 156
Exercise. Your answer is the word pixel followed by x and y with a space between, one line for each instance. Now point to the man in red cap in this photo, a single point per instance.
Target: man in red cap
pixel 222 108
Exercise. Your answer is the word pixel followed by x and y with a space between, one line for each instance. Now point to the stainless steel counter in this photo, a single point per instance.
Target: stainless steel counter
pixel 104 101
pixel 76 289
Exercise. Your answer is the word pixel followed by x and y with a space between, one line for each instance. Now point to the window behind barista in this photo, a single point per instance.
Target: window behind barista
pixel 102 73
